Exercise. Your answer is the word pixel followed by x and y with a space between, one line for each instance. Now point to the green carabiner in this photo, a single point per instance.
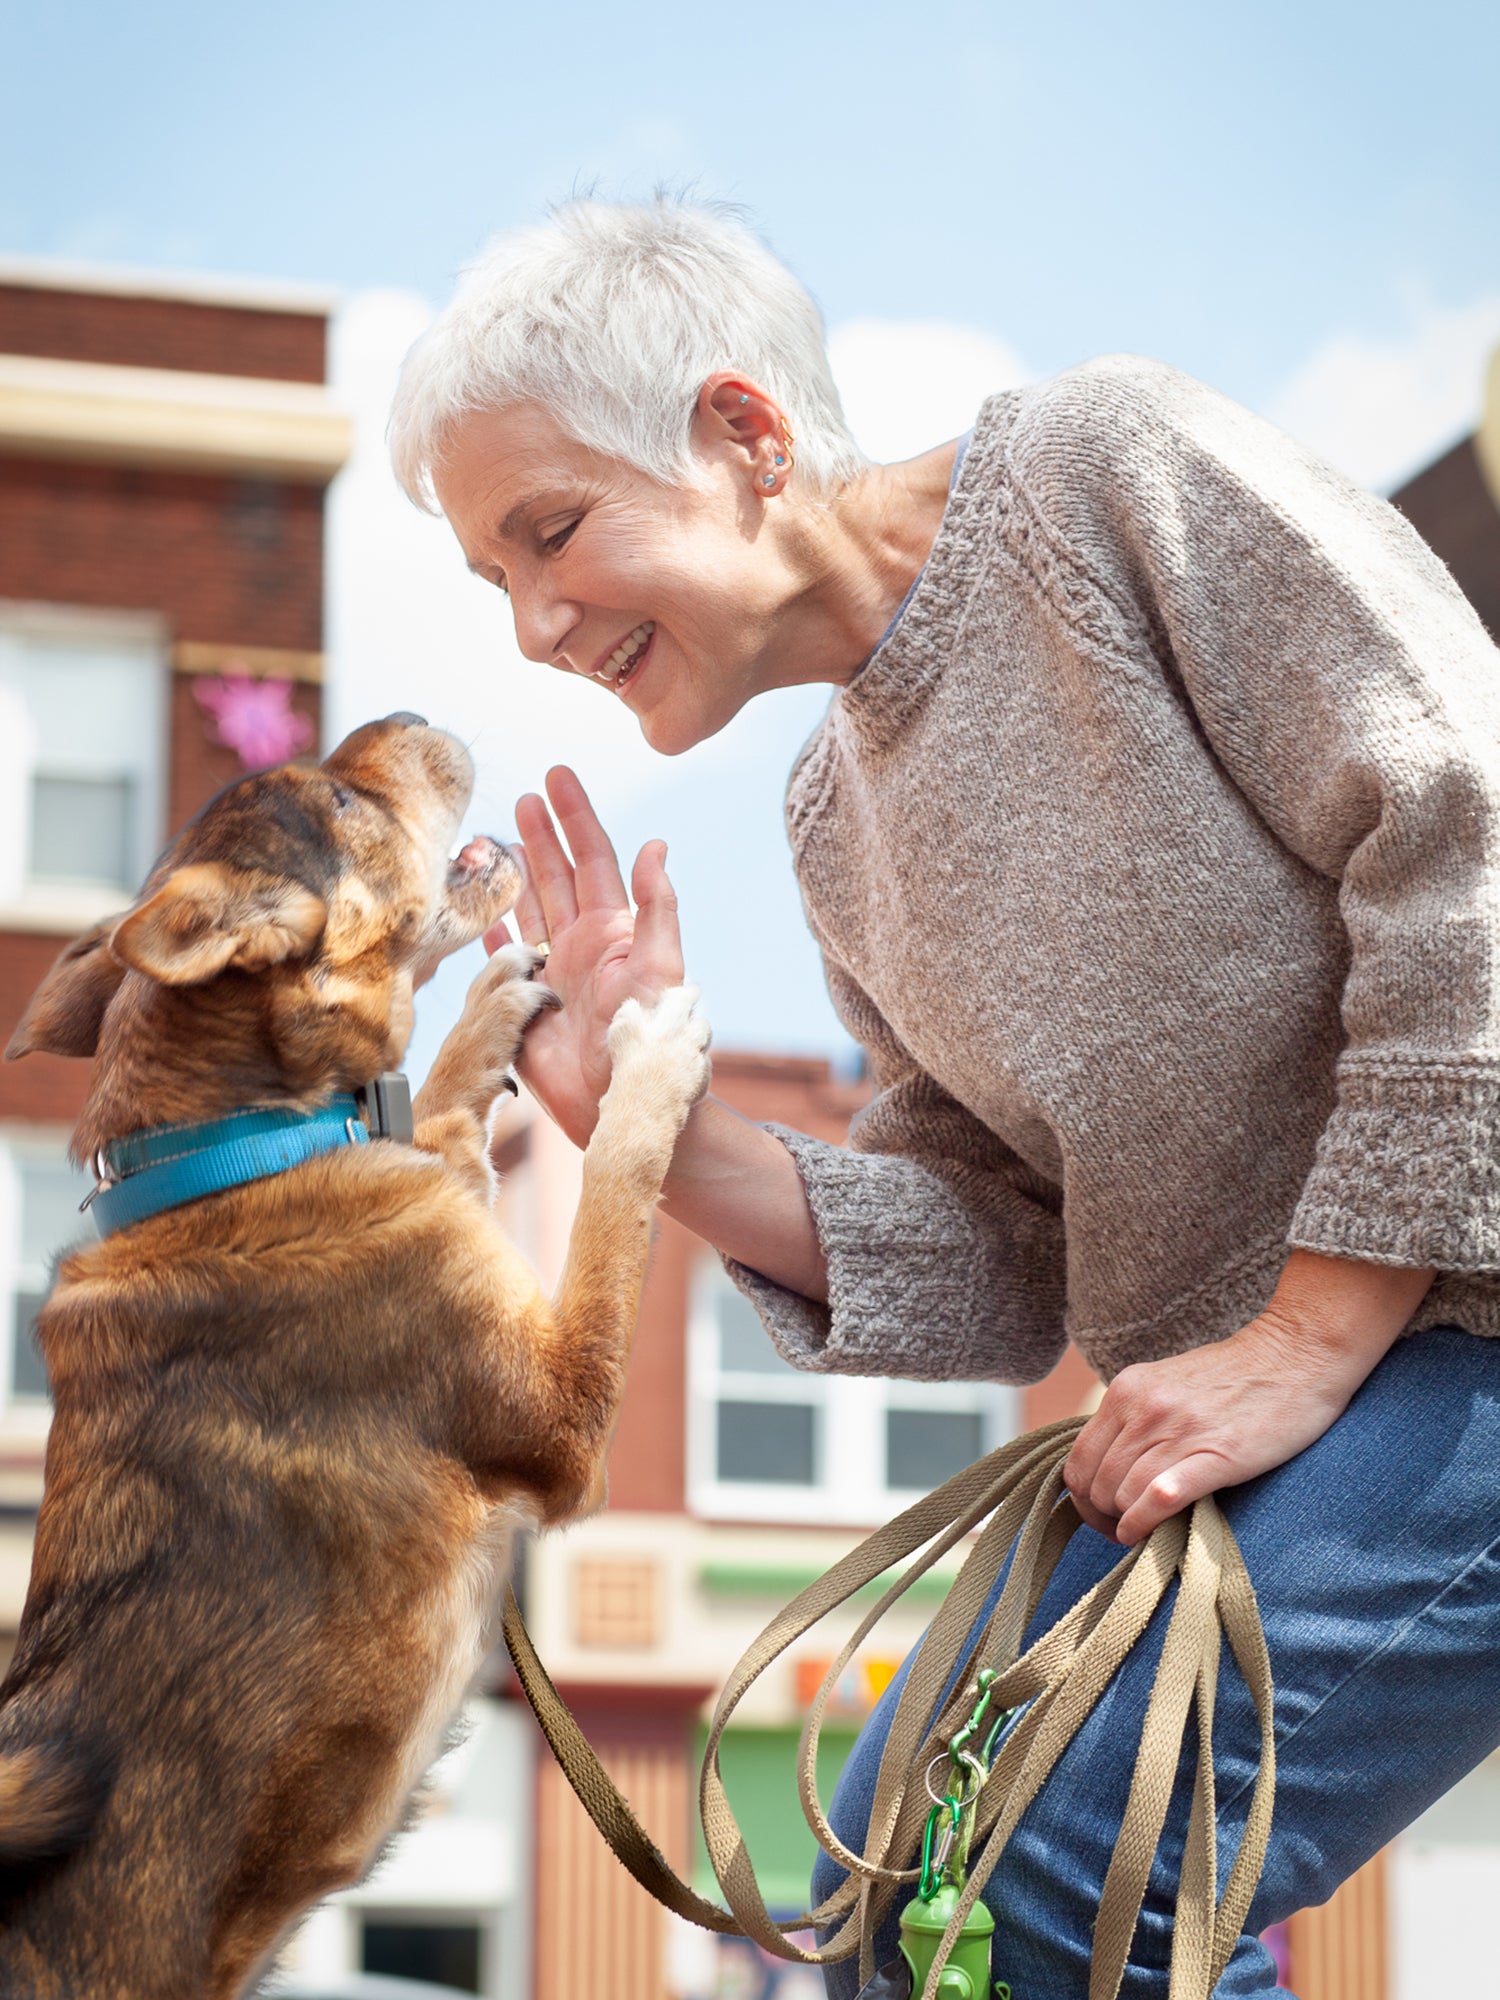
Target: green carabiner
pixel 945 1867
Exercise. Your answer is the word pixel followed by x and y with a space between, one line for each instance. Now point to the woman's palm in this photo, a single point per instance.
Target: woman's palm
pixel 602 952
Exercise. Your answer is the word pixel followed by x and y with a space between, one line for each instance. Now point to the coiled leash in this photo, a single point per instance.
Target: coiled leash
pixel 1017 1495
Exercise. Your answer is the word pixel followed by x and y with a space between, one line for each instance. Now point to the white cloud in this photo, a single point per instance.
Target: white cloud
pixel 906 385
pixel 1382 409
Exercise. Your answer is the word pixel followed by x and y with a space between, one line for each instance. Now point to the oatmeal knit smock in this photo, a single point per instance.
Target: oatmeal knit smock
pixel 1155 861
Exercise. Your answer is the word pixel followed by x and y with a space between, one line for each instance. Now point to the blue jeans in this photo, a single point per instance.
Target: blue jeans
pixel 1375 1556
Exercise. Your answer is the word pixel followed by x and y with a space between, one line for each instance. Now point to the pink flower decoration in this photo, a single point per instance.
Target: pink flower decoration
pixel 253 718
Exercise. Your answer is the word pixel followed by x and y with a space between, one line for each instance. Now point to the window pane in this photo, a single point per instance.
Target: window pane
pixel 744 1344
pixel 96 706
pixel 441 1954
pixel 925 1447
pixel 83 830
pixel 27 1375
pixel 767 1442
pixel 50 1193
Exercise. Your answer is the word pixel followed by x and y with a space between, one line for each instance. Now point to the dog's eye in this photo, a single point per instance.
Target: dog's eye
pixel 343 798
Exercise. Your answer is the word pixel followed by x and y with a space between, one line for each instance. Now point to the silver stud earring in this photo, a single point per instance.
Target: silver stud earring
pixel 769 480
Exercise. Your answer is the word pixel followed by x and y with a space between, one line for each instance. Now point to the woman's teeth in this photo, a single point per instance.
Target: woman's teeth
pixel 621 661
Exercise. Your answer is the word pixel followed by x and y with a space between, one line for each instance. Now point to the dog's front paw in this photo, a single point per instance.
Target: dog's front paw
pixel 665 1042
pixel 503 1001
pixel 472 1065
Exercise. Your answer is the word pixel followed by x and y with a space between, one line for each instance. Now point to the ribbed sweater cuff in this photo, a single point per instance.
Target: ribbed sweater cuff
pixel 912 1284
pixel 1408 1168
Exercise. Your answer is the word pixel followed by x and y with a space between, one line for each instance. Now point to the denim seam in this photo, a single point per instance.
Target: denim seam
pixel 1483 1555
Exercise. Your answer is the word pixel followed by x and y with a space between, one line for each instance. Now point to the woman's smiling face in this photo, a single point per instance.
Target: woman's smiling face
pixel 664 595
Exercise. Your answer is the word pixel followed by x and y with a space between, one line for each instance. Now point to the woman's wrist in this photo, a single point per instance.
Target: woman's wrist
pixel 1343 1308
pixel 735 1185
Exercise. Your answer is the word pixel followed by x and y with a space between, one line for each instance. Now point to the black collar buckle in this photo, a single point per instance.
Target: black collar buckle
pixel 385 1105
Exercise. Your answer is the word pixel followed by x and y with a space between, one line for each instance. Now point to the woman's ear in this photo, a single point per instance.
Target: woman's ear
pixel 68 1008
pixel 208 916
pixel 736 415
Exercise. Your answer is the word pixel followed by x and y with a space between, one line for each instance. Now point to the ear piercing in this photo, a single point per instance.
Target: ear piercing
pixel 769 480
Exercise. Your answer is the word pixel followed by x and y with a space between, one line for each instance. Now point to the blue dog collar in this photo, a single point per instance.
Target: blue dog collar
pixel 173 1164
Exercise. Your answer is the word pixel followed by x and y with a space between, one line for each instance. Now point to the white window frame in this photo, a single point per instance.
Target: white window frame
pixel 848 1488
pixel 23 1416
pixel 64 907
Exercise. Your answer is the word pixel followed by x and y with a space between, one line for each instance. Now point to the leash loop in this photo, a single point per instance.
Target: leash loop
pixel 1040 1698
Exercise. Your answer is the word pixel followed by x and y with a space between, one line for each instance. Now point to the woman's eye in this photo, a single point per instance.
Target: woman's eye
pixel 561 539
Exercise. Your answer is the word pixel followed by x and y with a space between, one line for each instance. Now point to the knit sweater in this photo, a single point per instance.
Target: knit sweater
pixel 1155 861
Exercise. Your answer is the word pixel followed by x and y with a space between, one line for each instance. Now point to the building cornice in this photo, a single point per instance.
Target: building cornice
pixel 1487 437
pixel 272 295
pixel 102 414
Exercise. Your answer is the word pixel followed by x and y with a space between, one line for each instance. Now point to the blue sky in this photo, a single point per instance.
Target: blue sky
pixel 1299 203
pixel 1219 186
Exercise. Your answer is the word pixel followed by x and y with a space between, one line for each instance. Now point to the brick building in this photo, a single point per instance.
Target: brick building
pixel 164 453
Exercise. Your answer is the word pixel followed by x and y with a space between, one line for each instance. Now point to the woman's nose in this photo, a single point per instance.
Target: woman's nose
pixel 542 627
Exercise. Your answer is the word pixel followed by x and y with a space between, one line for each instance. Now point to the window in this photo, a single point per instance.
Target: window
pixel 437 1951
pixel 39 1195
pixel 82 728
pixel 768 1442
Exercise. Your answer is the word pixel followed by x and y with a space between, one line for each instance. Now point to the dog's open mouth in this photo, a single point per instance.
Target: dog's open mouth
pixel 482 881
pixel 476 861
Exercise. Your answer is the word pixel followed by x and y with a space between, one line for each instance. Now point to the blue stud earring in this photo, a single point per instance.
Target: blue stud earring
pixel 744 399
pixel 779 459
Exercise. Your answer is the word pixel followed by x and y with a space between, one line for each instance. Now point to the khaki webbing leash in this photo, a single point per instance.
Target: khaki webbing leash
pixel 1017 1493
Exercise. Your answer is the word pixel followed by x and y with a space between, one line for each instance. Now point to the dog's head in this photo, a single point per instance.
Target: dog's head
pixel 295 913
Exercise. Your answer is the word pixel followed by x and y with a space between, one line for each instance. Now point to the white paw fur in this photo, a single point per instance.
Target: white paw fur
pixel 666 1038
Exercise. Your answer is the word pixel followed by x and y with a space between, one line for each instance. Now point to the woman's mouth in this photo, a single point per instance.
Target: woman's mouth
pixel 626 659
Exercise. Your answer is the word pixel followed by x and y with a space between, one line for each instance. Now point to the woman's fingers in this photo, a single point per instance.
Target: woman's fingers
pixel 1177 1486
pixel 549 872
pixel 656 951
pixel 596 873
pixel 497 937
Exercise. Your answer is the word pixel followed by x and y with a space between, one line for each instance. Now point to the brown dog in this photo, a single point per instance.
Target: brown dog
pixel 296 1420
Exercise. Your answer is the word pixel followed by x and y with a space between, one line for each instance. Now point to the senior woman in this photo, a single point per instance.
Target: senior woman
pixel 1152 843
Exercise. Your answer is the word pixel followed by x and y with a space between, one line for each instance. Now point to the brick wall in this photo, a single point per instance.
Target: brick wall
pixel 221 559
pixel 647 1462
pixel 162 333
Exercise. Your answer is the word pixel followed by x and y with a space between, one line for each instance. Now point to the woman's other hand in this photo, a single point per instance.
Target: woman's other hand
pixel 602 951
pixel 1168 1432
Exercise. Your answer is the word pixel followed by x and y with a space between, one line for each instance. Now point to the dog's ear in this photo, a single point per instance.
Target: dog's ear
pixel 208 916
pixel 66 1010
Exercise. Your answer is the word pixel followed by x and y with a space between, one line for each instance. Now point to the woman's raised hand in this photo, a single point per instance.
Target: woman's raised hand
pixel 602 952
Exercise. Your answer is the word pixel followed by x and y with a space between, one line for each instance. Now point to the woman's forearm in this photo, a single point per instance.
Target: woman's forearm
pixel 735 1185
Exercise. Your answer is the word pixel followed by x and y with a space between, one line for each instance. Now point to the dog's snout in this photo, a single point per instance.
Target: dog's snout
pixel 404 719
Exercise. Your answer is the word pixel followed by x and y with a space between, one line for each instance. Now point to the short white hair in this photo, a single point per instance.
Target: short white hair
pixel 612 316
